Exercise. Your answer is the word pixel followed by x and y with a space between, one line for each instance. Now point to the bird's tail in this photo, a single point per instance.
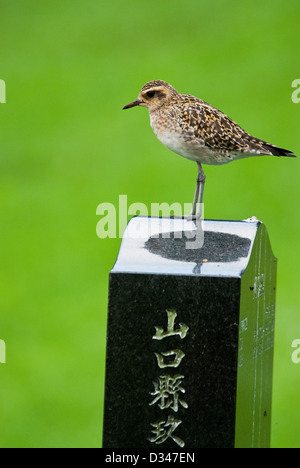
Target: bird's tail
pixel 262 147
pixel 277 151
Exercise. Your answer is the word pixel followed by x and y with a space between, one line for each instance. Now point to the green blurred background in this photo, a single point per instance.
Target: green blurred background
pixel 66 146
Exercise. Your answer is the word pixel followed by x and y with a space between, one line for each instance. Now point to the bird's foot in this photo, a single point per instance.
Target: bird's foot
pixel 190 217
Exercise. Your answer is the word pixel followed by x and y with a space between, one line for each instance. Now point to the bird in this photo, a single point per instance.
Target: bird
pixel 196 130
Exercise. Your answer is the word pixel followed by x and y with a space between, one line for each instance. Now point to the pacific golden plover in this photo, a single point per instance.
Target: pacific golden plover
pixel 198 131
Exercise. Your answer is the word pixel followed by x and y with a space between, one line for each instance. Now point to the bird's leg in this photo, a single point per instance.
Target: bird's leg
pixel 198 198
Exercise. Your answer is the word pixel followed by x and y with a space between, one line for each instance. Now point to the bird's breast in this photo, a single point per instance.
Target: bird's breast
pixel 170 134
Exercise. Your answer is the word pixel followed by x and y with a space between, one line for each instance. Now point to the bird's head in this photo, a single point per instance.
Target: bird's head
pixel 153 95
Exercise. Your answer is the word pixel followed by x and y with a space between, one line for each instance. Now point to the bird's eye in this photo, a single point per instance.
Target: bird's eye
pixel 150 94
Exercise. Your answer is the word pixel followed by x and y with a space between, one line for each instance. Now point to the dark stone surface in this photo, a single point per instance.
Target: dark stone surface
pixel 219 395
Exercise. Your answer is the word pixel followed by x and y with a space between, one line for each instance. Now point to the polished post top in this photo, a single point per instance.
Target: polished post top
pixel 182 247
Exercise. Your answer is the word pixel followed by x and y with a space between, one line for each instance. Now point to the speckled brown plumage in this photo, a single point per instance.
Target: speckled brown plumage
pixel 196 130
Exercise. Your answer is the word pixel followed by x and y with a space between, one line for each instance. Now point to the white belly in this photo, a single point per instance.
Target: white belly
pixel 190 147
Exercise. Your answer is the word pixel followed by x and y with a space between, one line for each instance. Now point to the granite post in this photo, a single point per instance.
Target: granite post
pixel 190 336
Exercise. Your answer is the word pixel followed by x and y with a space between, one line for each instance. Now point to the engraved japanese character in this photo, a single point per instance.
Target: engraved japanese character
pixel 165 429
pixel 178 356
pixel 167 392
pixel 161 334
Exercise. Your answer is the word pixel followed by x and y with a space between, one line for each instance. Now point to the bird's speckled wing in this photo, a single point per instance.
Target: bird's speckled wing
pixel 218 132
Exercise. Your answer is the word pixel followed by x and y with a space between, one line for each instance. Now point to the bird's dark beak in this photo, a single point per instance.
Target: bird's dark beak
pixel 132 104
